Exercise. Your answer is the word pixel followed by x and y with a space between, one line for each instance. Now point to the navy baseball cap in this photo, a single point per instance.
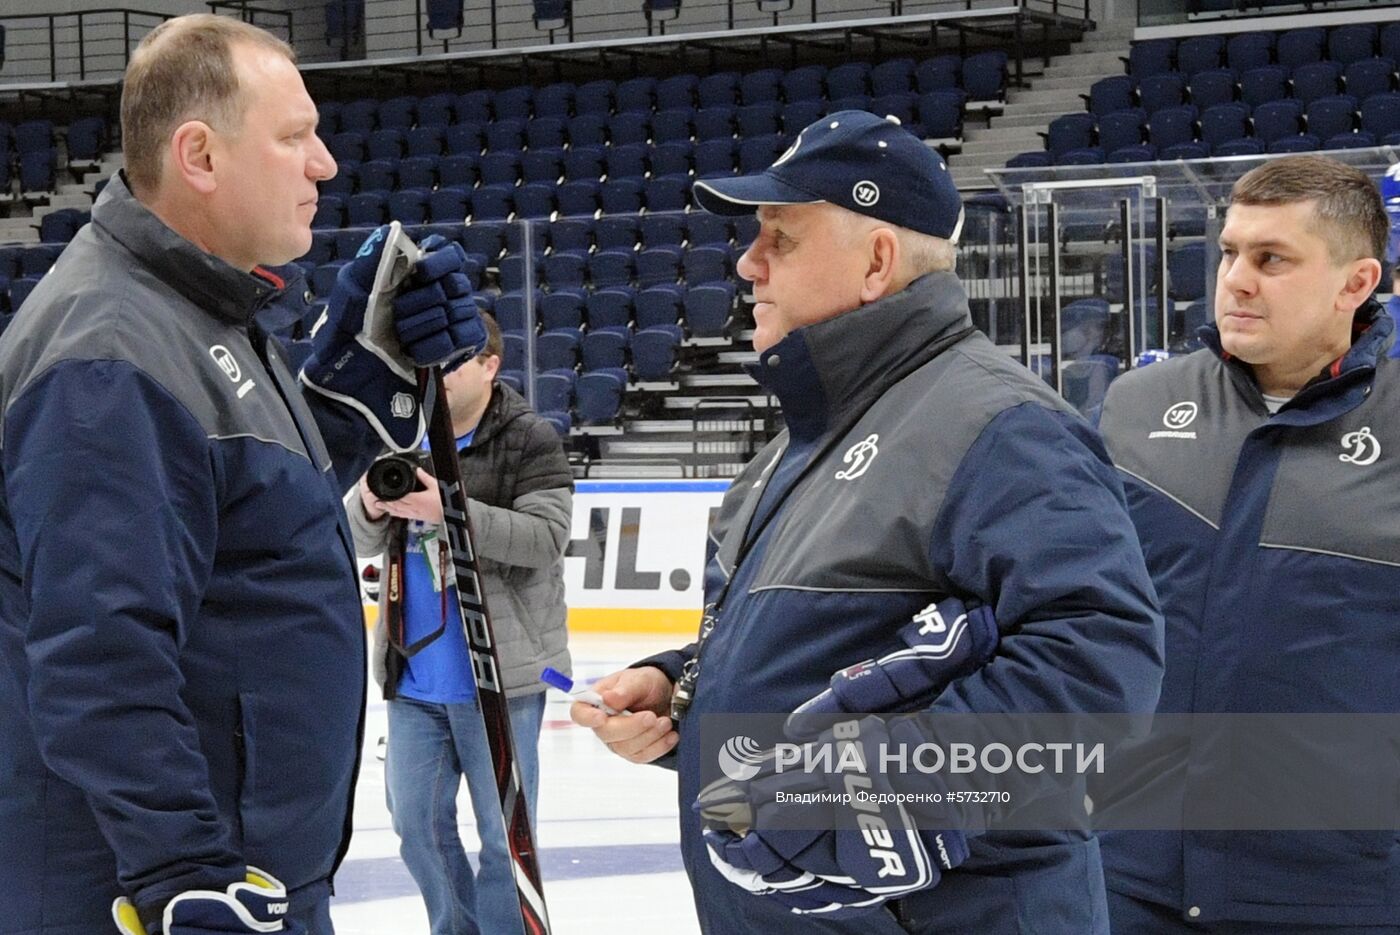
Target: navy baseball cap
pixel 868 164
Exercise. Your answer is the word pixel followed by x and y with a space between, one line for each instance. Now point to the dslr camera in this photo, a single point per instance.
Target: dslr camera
pixel 395 476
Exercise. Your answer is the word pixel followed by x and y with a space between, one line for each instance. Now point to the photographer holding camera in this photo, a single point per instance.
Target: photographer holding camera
pixel 520 492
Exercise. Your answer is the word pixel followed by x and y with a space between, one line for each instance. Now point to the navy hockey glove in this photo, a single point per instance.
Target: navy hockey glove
pixel 866 850
pixel 945 641
pixel 394 308
pixel 258 905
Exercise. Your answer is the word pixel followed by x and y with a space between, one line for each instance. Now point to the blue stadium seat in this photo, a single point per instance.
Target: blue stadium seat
pixel 542 165
pixel 557 350
pixel 1224 122
pixel 1212 87
pixel 590 129
pixel 452 204
pixel 1172 125
pixel 1087 156
pixel 571 233
pixel 755 87
pixel 745 230
pixel 602 349
pixel 1351 42
pixel 513 103
pixel 760 152
pixel 20 289
pixel 322 251
pixel 715 157
pixel 901 104
pixel 1070 131
pixel 1245 50
pixel 616 232
pixel 715 122
pixel 444 16
pixel 583 163
pixel 1263 84
pixel 1296 47
pixel 1160 91
pixel 426 141
pixel 546 132
pixel 1327 117
pixel 1277 119
pixel 1369 76
pixel 485 239
pixel 565 269
pixel 60 226
pixel 506 133
pixel 600 396
pixel 676 91
pixel 654 353
pixel 942 72
pixel 347 146
pixel 465 137
pixel 758 119
pixel 848 79
pixel 1122 129
pixel 705 264
pixel 1390 41
pixel 499 167
pixel 1313 80
pixel 519 271
pixel 984 75
pixel 379 175
pixel 370 209
pixel 804 83
pixel 1380 114
pixel 348 242
pixel 87 139
pixel 1151 57
pixel 718 89
pixel 1143 152
pixel 595 97
pixel 659 305
pixel 458 169
pixel 671 158
pixel 343 183
pixel 554 390
pixel 610 309
pixel 359 116
pixel 330 212
pixel 399 113
pixel 474 107
pixel 1191 149
pixel 709 309
pixel 437 110
pixel 672 125
pixel 1116 92
pixel 561 309
pixel 667 193
pixel 492 202
pixel 892 77
pixel 636 95
pixel 329 123
pixel 554 100
pixel 629 126
pixel 1298 143
pixel 1247 146
pixel 625 161
pixel 662 230
pixel 1086 381
pixel 513 348
pixel 36 260
pixel 1032 160
pixel 611 267
pixel 798 115
pixel 513 315
pixel 534 201
pixel 562 422
pixel 941 114
pixel 659 265
pixel 578 198
pixel 1199 53
pixel 1186 272
pixel 1357 139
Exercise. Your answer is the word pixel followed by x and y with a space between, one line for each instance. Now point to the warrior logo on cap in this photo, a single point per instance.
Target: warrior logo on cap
pixel 865 194
pixel 791 151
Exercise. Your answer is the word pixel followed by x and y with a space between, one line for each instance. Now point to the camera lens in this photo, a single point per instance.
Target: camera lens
pixel 392 477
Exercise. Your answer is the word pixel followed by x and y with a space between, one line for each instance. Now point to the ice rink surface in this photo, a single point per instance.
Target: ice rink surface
pixel 606 829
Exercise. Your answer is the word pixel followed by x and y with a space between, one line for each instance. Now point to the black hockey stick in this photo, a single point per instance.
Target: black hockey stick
pixel 486 664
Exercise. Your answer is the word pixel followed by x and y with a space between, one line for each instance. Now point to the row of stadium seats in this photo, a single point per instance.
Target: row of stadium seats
pixel 1344 44
pixel 1230 129
pixel 1255 86
pixel 981 76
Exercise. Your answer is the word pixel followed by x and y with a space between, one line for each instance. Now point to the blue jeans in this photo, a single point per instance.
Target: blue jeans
pixel 431 748
pixel 1131 916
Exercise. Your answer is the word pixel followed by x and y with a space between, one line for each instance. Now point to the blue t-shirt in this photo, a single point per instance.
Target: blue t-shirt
pixel 440 673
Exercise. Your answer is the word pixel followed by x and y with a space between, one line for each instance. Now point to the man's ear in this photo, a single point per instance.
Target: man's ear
pixel 492 363
pixel 190 156
pixel 885 256
pixel 1362 278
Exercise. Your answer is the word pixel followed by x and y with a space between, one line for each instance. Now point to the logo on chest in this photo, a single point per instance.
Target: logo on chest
pixel 1177 417
pixel 859 456
pixel 1361 447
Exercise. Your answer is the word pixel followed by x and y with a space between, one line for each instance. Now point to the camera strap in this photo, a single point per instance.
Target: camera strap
pixel 397 626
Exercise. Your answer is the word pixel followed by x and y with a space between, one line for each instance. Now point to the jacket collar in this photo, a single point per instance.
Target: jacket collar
pixel 1341 385
pixel 203 279
pixel 824 369
pixel 504 407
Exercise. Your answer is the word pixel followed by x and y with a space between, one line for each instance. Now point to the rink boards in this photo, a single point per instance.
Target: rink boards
pixel 636 555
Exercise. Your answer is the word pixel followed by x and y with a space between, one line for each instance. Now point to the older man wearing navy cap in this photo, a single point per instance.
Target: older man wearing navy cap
pixel 923 476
